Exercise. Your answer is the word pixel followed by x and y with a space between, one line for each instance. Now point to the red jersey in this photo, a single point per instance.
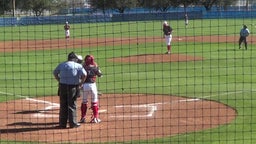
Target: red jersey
pixel 92 72
pixel 167 30
pixel 66 27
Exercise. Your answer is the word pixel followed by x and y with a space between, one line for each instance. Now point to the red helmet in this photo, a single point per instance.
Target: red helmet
pixel 89 60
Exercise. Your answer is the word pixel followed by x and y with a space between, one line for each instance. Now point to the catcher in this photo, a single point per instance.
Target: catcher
pixel 90 90
pixel 244 32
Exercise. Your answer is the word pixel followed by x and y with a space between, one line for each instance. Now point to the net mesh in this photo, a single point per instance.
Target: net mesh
pixel 200 92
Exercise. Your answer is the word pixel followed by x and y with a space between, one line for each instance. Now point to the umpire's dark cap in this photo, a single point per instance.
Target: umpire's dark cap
pixel 72 56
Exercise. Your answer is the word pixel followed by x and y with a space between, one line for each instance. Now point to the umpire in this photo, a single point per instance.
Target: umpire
pixel 70 75
pixel 244 32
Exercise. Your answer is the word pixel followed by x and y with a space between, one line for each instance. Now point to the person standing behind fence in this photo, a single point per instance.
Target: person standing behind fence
pixel 70 75
pixel 90 90
pixel 244 32
pixel 67 30
pixel 168 36
pixel 186 20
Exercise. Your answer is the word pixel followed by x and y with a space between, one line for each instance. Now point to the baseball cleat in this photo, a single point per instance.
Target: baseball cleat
pixel 75 126
pixel 82 120
pixel 95 120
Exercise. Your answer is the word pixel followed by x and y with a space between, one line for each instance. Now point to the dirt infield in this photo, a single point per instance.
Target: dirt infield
pixel 125 117
pixel 27 45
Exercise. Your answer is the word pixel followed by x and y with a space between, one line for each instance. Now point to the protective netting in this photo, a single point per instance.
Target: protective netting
pixel 190 82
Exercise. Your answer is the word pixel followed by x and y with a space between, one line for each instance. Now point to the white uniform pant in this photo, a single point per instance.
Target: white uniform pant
pixel 90 90
pixel 67 33
pixel 168 39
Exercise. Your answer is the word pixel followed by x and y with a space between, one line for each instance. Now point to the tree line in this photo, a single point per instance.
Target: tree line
pixel 37 7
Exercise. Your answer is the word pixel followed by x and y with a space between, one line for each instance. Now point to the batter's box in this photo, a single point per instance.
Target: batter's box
pixel 134 111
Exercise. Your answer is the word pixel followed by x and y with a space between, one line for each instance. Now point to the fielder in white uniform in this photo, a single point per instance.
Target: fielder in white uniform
pixel 168 36
pixel 67 32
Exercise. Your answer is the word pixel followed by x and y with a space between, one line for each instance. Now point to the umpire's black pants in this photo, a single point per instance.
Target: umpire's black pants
pixel 242 39
pixel 68 96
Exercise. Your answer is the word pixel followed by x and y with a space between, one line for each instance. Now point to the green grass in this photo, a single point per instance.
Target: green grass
pixel 226 74
pixel 125 29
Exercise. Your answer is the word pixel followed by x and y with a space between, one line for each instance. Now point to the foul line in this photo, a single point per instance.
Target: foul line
pixel 152 108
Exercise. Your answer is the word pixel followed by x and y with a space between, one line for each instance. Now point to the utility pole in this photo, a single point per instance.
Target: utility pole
pixel 13 8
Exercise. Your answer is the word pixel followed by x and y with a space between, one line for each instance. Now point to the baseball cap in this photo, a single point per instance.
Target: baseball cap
pixel 71 56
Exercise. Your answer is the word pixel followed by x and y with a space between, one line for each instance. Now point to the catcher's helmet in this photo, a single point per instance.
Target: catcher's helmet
pixel 89 60
pixel 79 59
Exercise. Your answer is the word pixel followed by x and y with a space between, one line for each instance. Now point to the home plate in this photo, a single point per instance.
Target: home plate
pixel 102 111
pixel 40 115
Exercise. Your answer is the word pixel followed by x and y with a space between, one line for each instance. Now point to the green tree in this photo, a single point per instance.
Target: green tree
pixel 36 6
pixel 184 3
pixel 5 5
pixel 158 5
pixel 118 5
pixel 121 5
pixel 100 4
pixel 208 3
pixel 225 3
pixel 165 5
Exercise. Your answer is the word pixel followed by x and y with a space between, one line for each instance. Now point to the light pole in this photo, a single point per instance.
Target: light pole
pixel 13 8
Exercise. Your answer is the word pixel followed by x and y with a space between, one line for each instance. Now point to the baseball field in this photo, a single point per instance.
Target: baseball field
pixel 203 92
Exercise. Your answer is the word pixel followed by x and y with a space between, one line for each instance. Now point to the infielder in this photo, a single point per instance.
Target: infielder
pixel 67 32
pixel 244 32
pixel 168 36
pixel 90 90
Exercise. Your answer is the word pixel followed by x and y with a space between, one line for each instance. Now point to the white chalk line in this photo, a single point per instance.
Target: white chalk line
pixel 226 93
pixel 42 113
pixel 152 108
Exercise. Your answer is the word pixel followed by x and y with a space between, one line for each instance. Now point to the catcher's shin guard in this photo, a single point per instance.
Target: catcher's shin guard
pixel 83 109
pixel 95 109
